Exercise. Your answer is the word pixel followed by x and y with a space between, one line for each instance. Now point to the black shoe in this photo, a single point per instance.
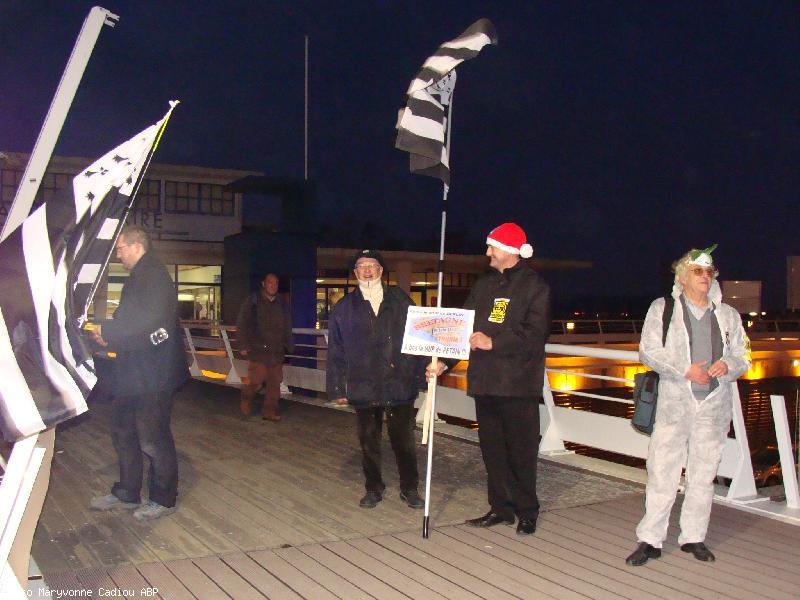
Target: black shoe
pixel 642 554
pixel 490 519
pixel 526 526
pixel 412 498
pixel 370 500
pixel 700 551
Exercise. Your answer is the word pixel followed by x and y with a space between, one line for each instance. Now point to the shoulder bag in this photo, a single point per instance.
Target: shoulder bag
pixel 645 391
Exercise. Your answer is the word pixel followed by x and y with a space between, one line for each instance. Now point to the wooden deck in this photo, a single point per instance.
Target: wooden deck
pixel 270 510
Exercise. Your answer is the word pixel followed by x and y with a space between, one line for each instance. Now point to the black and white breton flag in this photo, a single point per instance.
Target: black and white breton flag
pixel 422 124
pixel 47 267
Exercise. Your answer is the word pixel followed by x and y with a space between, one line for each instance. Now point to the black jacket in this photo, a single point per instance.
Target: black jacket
pixel 148 302
pixel 513 308
pixel 364 363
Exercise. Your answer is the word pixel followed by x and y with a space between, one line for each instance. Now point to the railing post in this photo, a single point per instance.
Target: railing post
pixel 233 375
pixel 194 368
pixel 788 463
pixel 552 442
pixel 743 484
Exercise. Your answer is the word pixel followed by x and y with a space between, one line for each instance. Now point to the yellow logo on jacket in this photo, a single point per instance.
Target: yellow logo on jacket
pixel 499 308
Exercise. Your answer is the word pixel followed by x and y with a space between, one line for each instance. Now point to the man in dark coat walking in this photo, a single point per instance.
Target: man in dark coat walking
pixel 150 365
pixel 264 329
pixel 366 368
pixel 506 375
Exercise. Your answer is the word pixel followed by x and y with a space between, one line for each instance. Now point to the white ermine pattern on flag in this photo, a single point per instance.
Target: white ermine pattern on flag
pixel 47 369
pixel 422 124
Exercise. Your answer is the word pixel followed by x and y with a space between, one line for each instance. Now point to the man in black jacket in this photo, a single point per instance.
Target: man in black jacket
pixel 150 365
pixel 366 368
pixel 505 376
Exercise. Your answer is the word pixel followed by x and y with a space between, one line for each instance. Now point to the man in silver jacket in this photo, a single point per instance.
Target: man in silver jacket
pixel 705 351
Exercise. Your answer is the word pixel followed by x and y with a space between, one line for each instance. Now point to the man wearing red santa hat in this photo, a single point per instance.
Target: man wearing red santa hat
pixel 506 375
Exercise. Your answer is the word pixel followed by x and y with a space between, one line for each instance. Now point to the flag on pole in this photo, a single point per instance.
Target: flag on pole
pixel 48 266
pixel 422 124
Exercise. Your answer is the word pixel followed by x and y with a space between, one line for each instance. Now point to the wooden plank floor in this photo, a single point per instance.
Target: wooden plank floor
pixel 270 511
pixel 576 553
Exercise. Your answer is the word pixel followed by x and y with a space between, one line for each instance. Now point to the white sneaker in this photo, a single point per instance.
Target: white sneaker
pixel 152 510
pixel 110 502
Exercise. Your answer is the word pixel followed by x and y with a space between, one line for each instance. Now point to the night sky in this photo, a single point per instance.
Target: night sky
pixel 621 133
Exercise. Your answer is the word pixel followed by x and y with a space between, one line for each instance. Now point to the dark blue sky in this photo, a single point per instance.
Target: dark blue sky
pixel 617 132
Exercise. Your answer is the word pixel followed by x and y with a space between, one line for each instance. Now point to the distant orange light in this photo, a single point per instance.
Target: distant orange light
pixel 213 374
pixel 756 371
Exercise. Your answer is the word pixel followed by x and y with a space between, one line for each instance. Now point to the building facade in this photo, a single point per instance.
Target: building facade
pixel 189 212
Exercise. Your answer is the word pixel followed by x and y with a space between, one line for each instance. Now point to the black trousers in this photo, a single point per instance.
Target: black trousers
pixel 400 423
pixel 140 425
pixel 508 429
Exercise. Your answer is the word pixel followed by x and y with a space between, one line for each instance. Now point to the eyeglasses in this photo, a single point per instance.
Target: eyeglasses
pixel 365 266
pixel 698 271
pixel 119 247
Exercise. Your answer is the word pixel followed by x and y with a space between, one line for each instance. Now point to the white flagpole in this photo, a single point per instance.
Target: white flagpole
pixel 56 115
pixel 28 465
pixel 430 414
pixel 305 114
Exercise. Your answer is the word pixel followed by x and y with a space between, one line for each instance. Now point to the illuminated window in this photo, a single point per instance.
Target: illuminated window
pixel 198 288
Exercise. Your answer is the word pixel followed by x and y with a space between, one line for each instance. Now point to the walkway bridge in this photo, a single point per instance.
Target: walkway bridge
pixel 270 510
pixel 213 358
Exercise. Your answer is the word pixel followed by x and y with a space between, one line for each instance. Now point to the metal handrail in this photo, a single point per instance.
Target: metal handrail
pixel 559 423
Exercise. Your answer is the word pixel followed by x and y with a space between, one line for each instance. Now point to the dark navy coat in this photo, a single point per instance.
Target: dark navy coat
pixel 364 361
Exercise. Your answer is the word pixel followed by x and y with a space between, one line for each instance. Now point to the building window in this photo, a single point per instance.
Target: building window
pixel 11 178
pixel 198 198
pixel 198 288
pixel 51 183
pixel 149 196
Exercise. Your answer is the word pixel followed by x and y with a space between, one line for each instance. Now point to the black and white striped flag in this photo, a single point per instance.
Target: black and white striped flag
pixel 47 267
pixel 422 124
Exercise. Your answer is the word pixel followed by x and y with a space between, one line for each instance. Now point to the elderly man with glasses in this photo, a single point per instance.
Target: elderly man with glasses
pixel 704 352
pixel 367 370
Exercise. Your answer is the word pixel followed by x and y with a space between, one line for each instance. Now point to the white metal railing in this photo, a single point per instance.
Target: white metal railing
pixel 615 434
pixel 609 331
pixel 558 423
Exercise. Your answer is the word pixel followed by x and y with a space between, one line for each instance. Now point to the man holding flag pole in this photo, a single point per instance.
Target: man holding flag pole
pixel 423 130
pixel 51 264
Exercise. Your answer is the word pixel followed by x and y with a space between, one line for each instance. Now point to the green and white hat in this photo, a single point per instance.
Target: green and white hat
pixel 702 258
